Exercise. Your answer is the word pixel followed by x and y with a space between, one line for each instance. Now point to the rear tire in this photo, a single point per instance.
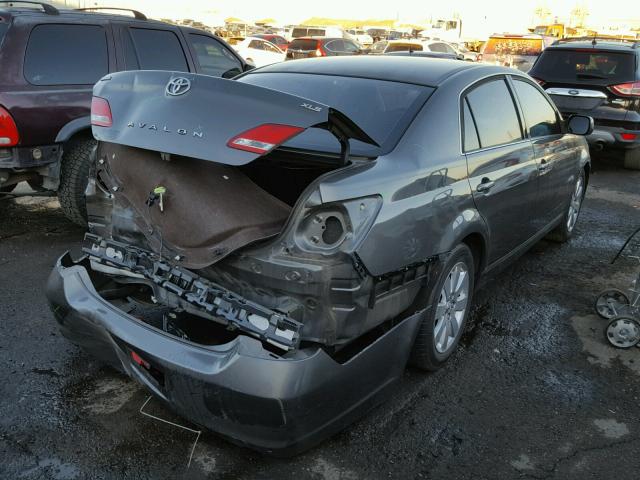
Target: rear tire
pixel 8 188
pixel 565 229
pixel 443 324
pixel 74 175
pixel 632 159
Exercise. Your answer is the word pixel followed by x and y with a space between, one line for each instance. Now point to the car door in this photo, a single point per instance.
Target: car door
pixel 556 159
pixel 502 169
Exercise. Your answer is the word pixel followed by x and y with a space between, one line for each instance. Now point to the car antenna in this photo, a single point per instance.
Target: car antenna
pixel 594 42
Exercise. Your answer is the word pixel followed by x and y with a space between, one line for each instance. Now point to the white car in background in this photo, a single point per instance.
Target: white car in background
pixel 362 37
pixel 258 51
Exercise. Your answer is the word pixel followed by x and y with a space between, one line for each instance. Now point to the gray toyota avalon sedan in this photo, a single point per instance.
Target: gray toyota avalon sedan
pixel 266 254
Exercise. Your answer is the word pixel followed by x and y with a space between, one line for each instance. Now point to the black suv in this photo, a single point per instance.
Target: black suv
pixel 599 78
pixel 50 61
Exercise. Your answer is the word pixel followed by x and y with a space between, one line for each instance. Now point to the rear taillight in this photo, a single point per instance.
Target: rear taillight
pixel 631 89
pixel 479 57
pixel 319 51
pixel 264 138
pixel 628 136
pixel 8 130
pixel 101 113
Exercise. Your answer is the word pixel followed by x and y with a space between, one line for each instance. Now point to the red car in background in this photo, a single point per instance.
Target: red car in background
pixel 278 40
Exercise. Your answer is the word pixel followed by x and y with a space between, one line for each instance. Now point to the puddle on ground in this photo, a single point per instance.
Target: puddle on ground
pixel 103 395
pixel 590 330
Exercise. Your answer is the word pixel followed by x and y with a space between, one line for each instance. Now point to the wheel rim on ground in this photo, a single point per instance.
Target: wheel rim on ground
pixel 623 332
pixel 451 308
pixel 575 204
pixel 610 303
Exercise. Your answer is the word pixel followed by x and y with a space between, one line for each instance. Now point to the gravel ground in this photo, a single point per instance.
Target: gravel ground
pixel 533 392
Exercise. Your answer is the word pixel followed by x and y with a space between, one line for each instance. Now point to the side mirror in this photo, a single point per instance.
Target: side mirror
pixel 460 56
pixel 580 125
pixel 249 65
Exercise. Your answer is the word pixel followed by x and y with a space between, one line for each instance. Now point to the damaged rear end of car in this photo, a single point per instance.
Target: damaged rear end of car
pixel 218 270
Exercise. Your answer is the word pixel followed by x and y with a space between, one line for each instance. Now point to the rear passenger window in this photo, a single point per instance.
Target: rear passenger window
pixel 66 55
pixel 494 113
pixel 155 50
pixel 538 113
pixel 470 134
pixel 335 46
pixel 214 58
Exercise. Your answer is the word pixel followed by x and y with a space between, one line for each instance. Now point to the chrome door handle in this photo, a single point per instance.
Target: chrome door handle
pixel 485 185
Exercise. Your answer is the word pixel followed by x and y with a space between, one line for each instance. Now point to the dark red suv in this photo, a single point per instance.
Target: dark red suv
pixel 50 60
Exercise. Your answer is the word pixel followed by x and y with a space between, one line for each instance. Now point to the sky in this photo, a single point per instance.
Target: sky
pixel 509 15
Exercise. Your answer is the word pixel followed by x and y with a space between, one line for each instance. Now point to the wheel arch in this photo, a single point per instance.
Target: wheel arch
pixel 81 125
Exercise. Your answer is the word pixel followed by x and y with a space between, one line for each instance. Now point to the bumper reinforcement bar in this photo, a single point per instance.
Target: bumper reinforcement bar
pixel 202 294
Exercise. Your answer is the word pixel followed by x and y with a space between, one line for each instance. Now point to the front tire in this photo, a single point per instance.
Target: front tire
pixel 565 229
pixel 444 322
pixel 74 175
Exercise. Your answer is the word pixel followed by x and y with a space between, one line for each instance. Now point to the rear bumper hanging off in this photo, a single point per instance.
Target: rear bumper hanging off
pixel 239 389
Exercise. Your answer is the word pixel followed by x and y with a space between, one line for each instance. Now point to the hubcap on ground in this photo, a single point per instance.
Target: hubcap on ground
pixel 574 206
pixel 451 308
pixel 623 332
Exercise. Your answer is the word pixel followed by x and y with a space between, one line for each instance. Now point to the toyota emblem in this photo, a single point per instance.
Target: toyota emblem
pixel 574 92
pixel 178 86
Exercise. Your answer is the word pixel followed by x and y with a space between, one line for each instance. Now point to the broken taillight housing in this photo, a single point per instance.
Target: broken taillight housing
pixel 264 138
pixel 100 113
pixel 631 89
pixel 8 130
pixel 337 226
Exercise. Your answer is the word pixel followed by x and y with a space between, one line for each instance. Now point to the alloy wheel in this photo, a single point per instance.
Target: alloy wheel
pixel 575 204
pixel 452 307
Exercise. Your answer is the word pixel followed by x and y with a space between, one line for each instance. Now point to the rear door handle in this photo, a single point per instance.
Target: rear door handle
pixel 485 185
pixel 544 166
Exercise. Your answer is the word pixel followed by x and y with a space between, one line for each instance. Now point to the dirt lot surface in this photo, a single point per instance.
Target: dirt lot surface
pixel 533 392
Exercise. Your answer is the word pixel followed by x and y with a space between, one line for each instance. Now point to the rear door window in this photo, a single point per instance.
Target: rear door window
pixel 152 49
pixel 304 45
pixel 335 46
pixel 60 54
pixel 213 57
pixel 539 115
pixel 593 67
pixel 471 141
pixel 494 113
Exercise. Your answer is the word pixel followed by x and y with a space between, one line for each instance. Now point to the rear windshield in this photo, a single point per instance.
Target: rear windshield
pixel 304 45
pixel 586 66
pixel 527 47
pixel 382 109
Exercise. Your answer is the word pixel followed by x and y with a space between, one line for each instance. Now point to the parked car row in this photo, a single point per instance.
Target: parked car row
pixel 267 249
